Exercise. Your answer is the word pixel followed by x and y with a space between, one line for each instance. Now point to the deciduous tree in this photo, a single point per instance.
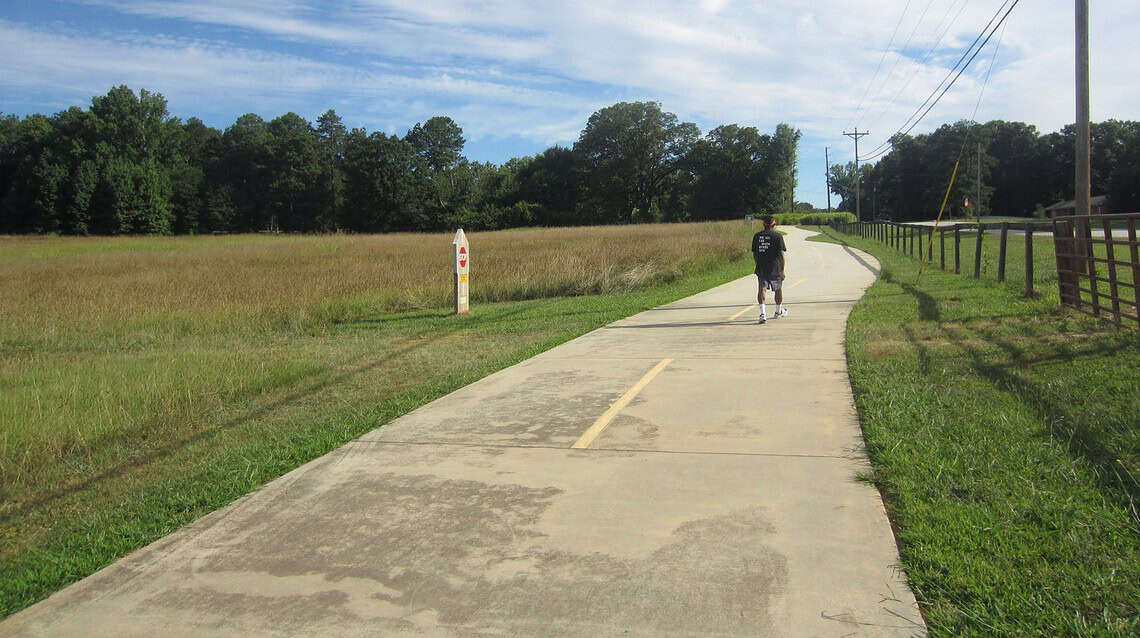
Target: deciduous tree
pixel 625 153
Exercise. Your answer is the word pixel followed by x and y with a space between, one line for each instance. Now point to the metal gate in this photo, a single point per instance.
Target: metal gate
pixel 1098 270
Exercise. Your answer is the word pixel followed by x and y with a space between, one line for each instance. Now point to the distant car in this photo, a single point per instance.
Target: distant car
pixel 882 218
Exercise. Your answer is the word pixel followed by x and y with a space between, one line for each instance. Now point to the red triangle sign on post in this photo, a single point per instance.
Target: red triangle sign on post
pixel 462 255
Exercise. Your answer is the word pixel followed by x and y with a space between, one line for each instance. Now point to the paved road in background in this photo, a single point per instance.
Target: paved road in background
pixel 1117 233
pixel 682 472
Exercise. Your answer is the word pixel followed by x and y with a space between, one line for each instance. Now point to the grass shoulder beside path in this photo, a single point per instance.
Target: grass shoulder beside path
pixel 1003 435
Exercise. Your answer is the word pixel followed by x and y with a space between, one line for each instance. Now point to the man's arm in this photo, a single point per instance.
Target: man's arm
pixel 780 256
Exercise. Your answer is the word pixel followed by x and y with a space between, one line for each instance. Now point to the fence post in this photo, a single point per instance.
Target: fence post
pixel 957 249
pixel 1028 259
pixel 1088 255
pixel 978 252
pixel 1110 254
pixel 921 232
pixel 1135 267
pixel 1001 251
pixel 910 233
pixel 1067 279
pixel 942 248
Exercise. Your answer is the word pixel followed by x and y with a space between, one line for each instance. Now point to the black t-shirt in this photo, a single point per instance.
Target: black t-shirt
pixel 766 248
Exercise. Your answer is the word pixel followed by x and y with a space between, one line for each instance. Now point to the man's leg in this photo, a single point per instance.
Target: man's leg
pixel 780 309
pixel 760 299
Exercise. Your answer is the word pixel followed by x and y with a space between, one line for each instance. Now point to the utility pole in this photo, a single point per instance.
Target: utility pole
pixel 1083 191
pixel 978 186
pixel 827 176
pixel 858 204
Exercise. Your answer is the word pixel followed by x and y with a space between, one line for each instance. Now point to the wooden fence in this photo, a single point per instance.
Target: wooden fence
pixel 1090 260
pixel 915 238
pixel 1094 284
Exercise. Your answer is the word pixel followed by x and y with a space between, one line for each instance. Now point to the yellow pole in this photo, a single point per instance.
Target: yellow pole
pixel 946 198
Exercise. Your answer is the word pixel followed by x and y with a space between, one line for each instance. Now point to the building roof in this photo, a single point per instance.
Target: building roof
pixel 1072 203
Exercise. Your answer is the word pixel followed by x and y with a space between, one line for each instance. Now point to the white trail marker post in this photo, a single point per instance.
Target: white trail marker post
pixel 462 253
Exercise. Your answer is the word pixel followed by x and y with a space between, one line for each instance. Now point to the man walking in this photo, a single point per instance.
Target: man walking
pixel 768 252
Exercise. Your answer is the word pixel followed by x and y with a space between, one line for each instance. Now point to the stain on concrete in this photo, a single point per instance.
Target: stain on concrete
pixel 406 554
pixel 541 413
pixel 628 431
pixel 740 426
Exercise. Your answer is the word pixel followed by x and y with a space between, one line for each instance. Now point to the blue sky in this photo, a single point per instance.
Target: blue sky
pixel 519 76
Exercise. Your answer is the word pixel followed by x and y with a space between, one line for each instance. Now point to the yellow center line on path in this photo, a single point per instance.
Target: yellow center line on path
pixel 594 430
pixel 754 306
pixel 737 315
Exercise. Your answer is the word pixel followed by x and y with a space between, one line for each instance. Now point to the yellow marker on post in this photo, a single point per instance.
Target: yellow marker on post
pixel 462 253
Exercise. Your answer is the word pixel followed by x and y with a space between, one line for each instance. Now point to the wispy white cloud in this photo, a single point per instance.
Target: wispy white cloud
pixel 538 69
pixel 208 74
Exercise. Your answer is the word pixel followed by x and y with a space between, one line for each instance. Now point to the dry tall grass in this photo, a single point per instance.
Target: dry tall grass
pixel 54 288
pixel 107 343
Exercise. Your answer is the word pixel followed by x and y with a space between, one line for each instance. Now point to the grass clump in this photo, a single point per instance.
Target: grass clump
pixel 1003 435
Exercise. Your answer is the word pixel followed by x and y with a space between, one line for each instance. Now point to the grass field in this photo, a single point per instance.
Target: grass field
pixel 147 381
pixel 1004 436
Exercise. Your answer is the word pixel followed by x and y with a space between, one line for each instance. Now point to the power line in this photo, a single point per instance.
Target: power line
pixel 935 96
pixel 962 70
pixel 932 99
pixel 859 109
pixel 879 153
pixel 895 62
pixel 942 29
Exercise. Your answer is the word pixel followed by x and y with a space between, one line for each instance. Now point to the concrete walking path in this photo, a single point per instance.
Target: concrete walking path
pixel 682 472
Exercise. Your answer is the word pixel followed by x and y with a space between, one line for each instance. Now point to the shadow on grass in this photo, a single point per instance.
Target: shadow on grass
pixel 927 305
pixel 1080 438
pixel 859 258
pixel 1071 428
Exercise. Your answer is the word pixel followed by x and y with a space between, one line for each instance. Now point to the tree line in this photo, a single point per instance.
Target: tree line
pixel 125 166
pixel 1021 170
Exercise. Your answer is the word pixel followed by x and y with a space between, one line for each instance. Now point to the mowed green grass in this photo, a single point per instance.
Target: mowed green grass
pixel 145 382
pixel 1004 436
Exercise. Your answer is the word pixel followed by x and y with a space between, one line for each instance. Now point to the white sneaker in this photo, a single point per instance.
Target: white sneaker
pixel 763 319
pixel 782 312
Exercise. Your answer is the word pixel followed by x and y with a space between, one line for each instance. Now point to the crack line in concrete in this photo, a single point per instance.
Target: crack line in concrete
pixel 518 446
